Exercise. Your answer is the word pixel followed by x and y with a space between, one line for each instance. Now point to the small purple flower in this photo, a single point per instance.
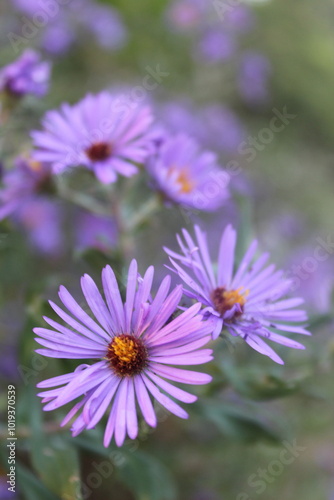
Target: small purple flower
pixel 26 75
pixel 188 176
pixel 134 345
pixel 249 301
pixel 100 133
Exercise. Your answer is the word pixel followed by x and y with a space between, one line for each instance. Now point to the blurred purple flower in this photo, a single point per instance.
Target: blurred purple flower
pixel 27 179
pixel 240 18
pixel 100 133
pixel 134 346
pixel 58 36
pixel 188 176
pixel 216 45
pixel 254 73
pixel 186 15
pixel 313 278
pixel 5 494
pixel 27 75
pixel 24 199
pixel 221 129
pixel 64 22
pixel 95 231
pixel 215 126
pixel 42 219
pixel 246 302
pixel 104 23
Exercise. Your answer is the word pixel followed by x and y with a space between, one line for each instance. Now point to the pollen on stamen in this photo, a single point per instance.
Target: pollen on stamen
pixel 127 355
pixel 224 300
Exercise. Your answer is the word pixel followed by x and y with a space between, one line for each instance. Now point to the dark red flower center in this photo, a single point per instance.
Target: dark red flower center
pixel 99 151
pixel 223 300
pixel 127 355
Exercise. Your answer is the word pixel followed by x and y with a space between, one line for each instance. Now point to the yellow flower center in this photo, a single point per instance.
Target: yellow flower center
pixel 127 355
pixel 183 179
pixel 35 166
pixel 224 300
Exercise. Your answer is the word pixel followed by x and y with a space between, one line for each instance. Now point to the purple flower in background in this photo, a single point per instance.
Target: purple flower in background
pixel 239 18
pixel 216 127
pixel 95 231
pixel 249 301
pixel 42 218
pixel 100 132
pixel 216 45
pixel 254 73
pixel 134 345
pixel 58 36
pixel 28 179
pixel 221 130
pixel 311 269
pixel 64 22
pixel 24 198
pixel 104 23
pixel 186 14
pixel 188 176
pixel 27 75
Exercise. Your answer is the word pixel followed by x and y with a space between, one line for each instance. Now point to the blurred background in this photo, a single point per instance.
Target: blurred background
pixel 252 81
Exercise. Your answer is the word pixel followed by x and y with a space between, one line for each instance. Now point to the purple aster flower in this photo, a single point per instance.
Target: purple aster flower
pixel 134 345
pixel 249 302
pixel 100 132
pixel 26 75
pixel 188 176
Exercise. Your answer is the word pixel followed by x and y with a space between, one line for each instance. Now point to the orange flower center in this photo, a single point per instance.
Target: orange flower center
pixel 224 300
pixel 183 179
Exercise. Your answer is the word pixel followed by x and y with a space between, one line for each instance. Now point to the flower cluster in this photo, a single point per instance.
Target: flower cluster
pixel 139 344
pixel 136 345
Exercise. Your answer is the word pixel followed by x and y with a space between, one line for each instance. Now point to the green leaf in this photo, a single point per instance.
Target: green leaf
pixel 147 477
pixel 53 457
pixel 238 422
pixel 31 487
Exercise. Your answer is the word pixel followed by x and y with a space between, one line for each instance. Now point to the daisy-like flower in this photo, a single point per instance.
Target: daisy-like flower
pixel 187 176
pixel 248 301
pixel 100 133
pixel 134 346
pixel 27 75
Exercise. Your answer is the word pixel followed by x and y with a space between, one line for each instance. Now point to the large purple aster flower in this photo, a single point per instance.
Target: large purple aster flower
pixel 249 302
pixel 99 132
pixel 27 75
pixel 134 345
pixel 188 176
